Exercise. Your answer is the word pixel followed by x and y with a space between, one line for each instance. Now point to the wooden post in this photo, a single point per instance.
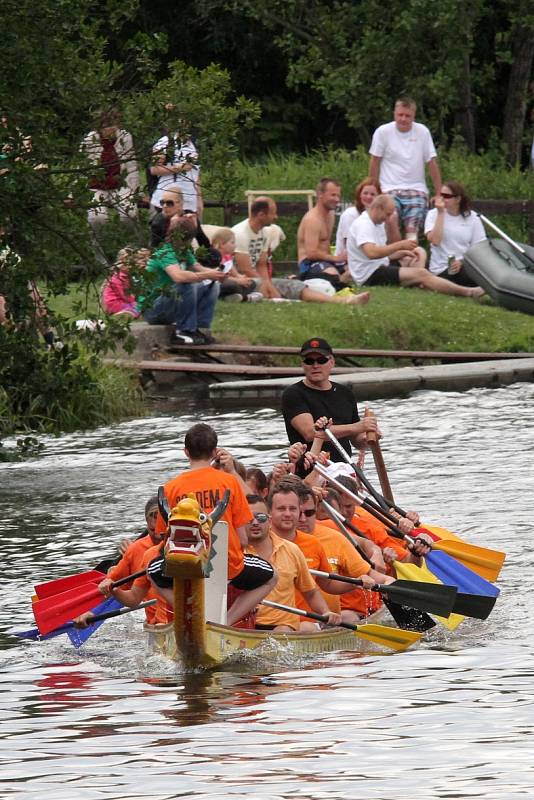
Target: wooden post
pixel 376 450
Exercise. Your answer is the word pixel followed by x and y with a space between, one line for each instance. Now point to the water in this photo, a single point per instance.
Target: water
pixel 450 719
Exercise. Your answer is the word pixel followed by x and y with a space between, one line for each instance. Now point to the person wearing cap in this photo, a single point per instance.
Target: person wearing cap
pixel 317 396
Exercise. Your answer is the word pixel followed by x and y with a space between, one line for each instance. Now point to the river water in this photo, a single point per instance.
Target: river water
pixel 453 718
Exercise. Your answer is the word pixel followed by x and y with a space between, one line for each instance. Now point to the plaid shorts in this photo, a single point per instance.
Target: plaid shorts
pixel 412 206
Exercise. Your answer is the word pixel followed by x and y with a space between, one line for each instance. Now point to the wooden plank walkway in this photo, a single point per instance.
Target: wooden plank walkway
pixel 169 365
pixel 348 352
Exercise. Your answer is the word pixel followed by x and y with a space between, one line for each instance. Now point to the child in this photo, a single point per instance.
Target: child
pixel 116 294
pixel 235 287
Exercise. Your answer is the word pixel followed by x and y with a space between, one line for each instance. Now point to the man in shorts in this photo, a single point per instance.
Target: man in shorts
pixel 399 151
pixel 373 262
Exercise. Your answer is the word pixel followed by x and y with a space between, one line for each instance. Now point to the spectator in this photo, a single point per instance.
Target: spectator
pixel 116 182
pixel 314 236
pixel 372 262
pixel 116 293
pixel 176 163
pixel 400 150
pixel 186 292
pixel 364 194
pixel 452 228
pixel 235 287
pixel 252 246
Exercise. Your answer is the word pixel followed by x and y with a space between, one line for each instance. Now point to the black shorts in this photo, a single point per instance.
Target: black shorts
pixel 385 275
pixel 459 278
pixel 255 573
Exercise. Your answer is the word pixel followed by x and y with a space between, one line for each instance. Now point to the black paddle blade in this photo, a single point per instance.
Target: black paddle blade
pixel 431 597
pixel 408 618
pixel 473 605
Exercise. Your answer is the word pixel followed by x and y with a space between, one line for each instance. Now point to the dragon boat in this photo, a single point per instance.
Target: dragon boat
pixel 196 559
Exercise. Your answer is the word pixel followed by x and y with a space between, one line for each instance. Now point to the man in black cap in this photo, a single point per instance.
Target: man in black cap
pixel 317 396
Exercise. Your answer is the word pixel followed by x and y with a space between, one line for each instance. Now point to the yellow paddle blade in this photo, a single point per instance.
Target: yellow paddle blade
pixel 395 638
pixel 412 572
pixel 486 563
pixel 443 533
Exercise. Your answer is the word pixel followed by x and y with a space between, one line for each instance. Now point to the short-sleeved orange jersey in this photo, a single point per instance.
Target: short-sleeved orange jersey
pixel 290 564
pixel 161 612
pixel 208 485
pixel 316 559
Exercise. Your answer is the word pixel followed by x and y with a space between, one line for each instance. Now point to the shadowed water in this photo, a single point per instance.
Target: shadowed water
pixel 452 718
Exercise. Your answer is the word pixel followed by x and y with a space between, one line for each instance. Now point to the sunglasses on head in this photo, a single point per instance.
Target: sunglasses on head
pixel 446 195
pixel 309 512
pixel 260 516
pixel 318 360
pixel 168 203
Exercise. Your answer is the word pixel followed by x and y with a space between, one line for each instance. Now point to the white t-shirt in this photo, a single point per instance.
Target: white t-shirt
pixel 364 231
pixel 248 242
pixel 187 181
pixel 403 155
pixel 345 221
pixel 459 234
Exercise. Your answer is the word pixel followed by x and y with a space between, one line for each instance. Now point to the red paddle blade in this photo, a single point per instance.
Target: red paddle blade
pixel 50 588
pixel 54 611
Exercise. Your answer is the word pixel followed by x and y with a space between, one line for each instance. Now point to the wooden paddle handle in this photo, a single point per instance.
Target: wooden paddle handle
pixel 376 450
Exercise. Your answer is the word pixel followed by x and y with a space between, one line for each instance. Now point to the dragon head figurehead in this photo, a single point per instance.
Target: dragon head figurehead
pixel 189 546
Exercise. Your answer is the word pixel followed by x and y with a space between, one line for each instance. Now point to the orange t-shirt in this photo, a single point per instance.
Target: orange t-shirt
pixel 315 559
pixel 161 612
pixel 208 485
pixel 377 532
pixel 133 561
pixel 290 564
pixel 345 560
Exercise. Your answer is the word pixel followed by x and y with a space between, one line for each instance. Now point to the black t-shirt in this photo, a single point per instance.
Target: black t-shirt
pixel 337 403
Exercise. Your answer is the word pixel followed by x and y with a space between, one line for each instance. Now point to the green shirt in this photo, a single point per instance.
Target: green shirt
pixel 158 279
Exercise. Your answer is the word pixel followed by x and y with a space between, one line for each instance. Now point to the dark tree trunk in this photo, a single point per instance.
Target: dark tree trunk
pixel 520 70
pixel 464 116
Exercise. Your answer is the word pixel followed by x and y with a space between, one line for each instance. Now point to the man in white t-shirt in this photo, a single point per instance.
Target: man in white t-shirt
pixel 373 262
pixel 252 245
pixel 400 151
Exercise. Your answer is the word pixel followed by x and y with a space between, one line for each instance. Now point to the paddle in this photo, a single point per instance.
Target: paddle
pixel 50 588
pixel 395 638
pixel 96 620
pixel 53 611
pixel 485 562
pixel 432 597
pixel 478 606
pixel 406 618
pixel 446 568
pixel 376 450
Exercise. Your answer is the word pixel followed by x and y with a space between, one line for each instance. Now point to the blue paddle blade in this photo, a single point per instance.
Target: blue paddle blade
pixel 79 636
pixel 34 635
pixel 452 573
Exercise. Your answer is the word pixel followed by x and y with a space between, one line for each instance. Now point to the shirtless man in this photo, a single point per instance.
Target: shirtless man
pixel 314 236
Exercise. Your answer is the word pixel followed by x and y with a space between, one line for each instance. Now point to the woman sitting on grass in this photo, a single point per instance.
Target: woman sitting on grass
pixel 452 228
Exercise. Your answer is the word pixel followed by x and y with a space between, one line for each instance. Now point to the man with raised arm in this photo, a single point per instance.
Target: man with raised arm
pixel 400 151
pixel 317 396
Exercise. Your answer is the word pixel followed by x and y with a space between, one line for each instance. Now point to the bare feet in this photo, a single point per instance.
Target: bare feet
pixel 353 299
pixel 477 291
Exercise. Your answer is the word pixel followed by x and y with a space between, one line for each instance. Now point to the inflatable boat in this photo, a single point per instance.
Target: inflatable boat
pixel 506 273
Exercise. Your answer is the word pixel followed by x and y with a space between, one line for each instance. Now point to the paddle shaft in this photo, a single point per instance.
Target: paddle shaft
pixel 310 615
pixel 376 450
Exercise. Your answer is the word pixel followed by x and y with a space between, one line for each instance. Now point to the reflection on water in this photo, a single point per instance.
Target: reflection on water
pixel 451 719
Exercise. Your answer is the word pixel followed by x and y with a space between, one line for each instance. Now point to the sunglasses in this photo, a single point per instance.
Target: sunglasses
pixel 309 512
pixel 260 516
pixel 446 196
pixel 168 203
pixel 320 360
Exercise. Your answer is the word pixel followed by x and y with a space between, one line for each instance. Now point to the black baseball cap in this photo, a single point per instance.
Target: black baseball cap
pixel 316 345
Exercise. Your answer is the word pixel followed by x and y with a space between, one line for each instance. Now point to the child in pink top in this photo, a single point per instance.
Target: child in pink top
pixel 117 297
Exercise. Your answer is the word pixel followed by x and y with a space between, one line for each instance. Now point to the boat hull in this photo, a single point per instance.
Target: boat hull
pixel 503 273
pixel 223 643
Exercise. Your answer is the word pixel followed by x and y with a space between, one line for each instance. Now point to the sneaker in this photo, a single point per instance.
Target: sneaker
pixel 254 297
pixel 206 337
pixel 186 337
